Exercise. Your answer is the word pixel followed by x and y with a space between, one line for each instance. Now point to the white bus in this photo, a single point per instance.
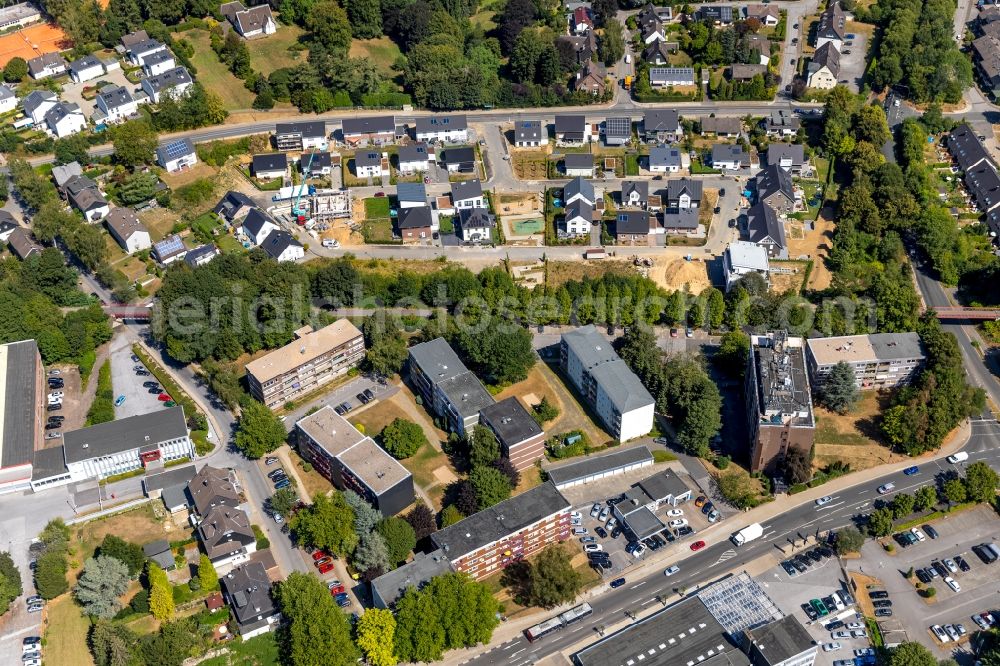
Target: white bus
pixel 556 623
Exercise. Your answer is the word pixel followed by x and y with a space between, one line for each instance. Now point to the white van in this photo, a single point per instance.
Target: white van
pixel 956 458
pixel 330 242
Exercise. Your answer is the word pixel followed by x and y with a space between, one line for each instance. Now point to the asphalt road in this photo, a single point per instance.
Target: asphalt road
pixel 720 555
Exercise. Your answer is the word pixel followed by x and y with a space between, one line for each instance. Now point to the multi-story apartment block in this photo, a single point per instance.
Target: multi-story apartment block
pixel 882 360
pixel 607 383
pixel 512 530
pixel 449 389
pixel 308 362
pixel 778 402
pixel 521 439
pixel 350 460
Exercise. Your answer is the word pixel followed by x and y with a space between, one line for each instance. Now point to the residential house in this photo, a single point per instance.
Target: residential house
pixel 635 193
pixel 268 166
pixel 765 229
pixel 61 173
pixel 717 14
pixel 161 553
pixel 46 65
pixel 37 103
pixel 986 57
pixel 665 159
pixel 176 155
pixel 468 194
pixel 415 224
pixel 234 206
pixel 742 258
pixel 475 225
pixel 659 51
pixel 317 164
pixel 460 160
pixel 606 383
pixel 377 130
pixel 529 134
pixel 257 226
pixel 617 130
pixel 212 487
pixel 449 389
pixel 584 46
pixel 966 148
pixel 769 15
pixel 651 33
pixel 722 127
pixel 169 250
pixel 571 130
pixel 680 221
pixel 247 591
pixel 300 136
pixel 282 246
pixel 369 164
pixel 87 198
pixel 125 227
pixel 662 126
pixel 581 20
pixel 411 195
pixel 823 71
pixel 579 164
pixel 116 103
pixel 790 157
pixel 632 227
pixel 651 14
pixel 7 226
pixel 879 360
pixel 591 79
pixel 666 77
pixel 741 72
pixel 139 51
pixel 414 157
pixel 983 184
pixel 578 218
pixel 248 23
pixel 173 82
pixel 65 119
pixel 8 100
pixel 158 63
pixel 226 537
pixel 133 38
pixel 731 157
pixel 86 68
pixel 444 129
pixel 201 255
pixel 831 26
pixel 23 244
pixel 775 188
pixel 782 123
pixel 579 189
pixel 760 45
pixel 684 193
pixel 521 439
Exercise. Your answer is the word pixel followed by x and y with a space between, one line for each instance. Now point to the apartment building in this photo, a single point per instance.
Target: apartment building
pixel 508 532
pixel 449 389
pixel 308 362
pixel 606 383
pixel 778 401
pixel 881 360
pixel 521 439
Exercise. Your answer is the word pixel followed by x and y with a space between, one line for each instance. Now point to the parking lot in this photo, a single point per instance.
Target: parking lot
pixel 348 393
pixel 978 591
pixel 852 65
pixel 73 410
pixel 125 382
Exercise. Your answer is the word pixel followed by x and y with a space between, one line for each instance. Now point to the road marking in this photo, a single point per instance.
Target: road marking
pixel 510 646
pixel 729 554
pixel 830 506
pixel 638 584
pixel 514 654
pixel 647 602
pixel 577 629
pixel 618 609
pixel 14 634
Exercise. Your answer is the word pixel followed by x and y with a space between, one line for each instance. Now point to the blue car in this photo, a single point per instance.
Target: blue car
pixel 284 483
pixel 910 471
pixel 120 401
pixel 617 582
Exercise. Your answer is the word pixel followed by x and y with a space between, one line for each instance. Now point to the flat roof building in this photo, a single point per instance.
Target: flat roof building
pixel 22 393
pixel 784 642
pixel 595 468
pixel 638 511
pixel 880 360
pixel 313 359
pixel 350 460
pixel 450 390
pixel 390 586
pixel 522 440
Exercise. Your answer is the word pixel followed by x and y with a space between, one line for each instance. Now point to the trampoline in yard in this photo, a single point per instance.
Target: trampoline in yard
pixel 527 227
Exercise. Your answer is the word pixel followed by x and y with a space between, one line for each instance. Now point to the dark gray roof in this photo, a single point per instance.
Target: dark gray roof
pixel 721 13
pixel 500 520
pixel 639 186
pixel 781 640
pixel 171 246
pixel 762 223
pixel 660 120
pixel 277 242
pixel 579 186
pixel 231 203
pixel 474 218
pixel 224 530
pixel 665 156
pixel 599 464
pixel 579 208
pixel 37 65
pixel 466 189
pixel 889 346
pixel 666 639
pixel 370 125
pixel 461 155
pixel 212 487
pixel 48 463
pixel 171 477
pixel 466 394
pixel 694 188
pixel 417 217
pixel 429 124
pixel 115 96
pixel 578 161
pixel 411 192
pixel 19 404
pixel 683 218
pixel 367 158
pixel 392 585
pixel 36 98
pixel 826 56
pixel 611 373
pixel 157 58
pixel 773 179
pixel 309 129
pixel 174 149
pixel 570 124
pixel 794 151
pixel 437 360
pixel 195 255
pixel 781 379
pixel 168 79
pixel 642 522
pixel 159 552
pixel 724 152
pixel 255 220
pixel 510 421
pixel 632 222
pixel 175 497
pixel 413 152
pixel 662 485
pixel 984 184
pixel 146 46
pixel 86 62
pixel 966 148
pixel 528 130
pixel 247 589
pixel 831 22
pixel 133 432
pixel 270 162
pixel 619 127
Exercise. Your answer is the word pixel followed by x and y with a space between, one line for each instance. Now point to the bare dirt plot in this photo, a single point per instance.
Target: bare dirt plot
pixel 189 175
pixel 33 41
pixel 853 437
pixel 139 526
pixel 675 273
pixel 561 272
pixel 159 221
pixel 529 165
pixel 782 282
pixel 815 245
pixel 516 204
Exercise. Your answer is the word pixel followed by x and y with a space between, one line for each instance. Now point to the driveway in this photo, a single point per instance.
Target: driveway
pixel 73 92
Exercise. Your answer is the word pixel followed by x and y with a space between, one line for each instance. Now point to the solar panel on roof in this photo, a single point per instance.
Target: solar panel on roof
pixel 169 246
pixel 176 149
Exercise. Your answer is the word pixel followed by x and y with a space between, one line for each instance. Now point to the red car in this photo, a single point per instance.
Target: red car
pixel 163 397
pixel 319 555
pixel 325 560
pixel 697 545
pixel 328 566
pixel 339 589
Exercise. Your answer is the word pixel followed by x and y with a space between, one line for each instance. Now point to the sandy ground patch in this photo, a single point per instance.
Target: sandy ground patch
pixel 514 204
pixel 159 221
pixel 853 437
pixel 444 476
pixel 675 273
pixel 815 245
pixel 782 282
pixel 189 175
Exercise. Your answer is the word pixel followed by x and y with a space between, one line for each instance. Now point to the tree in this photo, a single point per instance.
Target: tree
pixel 506 467
pixel 798 466
pixel 330 26
pixel 50 574
pixel 736 488
pixel 981 482
pixel 112 644
pixel 902 505
pixel 260 432
pixel 545 411
pixel 491 486
pixel 911 654
pixel 327 524
pixel 10 581
pixel 516 16
pixel 72 149
pixel 611 47
pixel 399 538
pixel 450 515
pixel 103 580
pixel 15 70
pixel 849 540
pixel 365 17
pixel 283 501
pixel 366 517
pixel 421 519
pixel 925 498
pixel 316 631
pixel 161 595
pixel 954 491
pixel 880 522
pixel 734 348
pixel 206 573
pixel 135 143
pixel 552 580
pixel 375 631
pixel 403 438
pixel 484 449
pixel 371 557
pixel 502 354
pixel 839 392
pixel 129 553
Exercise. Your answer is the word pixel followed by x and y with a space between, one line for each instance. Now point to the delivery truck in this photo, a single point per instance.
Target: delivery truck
pixel 747 534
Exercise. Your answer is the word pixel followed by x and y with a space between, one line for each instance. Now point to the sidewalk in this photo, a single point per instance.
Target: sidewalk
pixel 513 628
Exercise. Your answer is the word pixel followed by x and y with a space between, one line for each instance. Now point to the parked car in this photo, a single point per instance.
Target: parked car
pixel 679 522
pixel 362 398
pixel 326 568
pixel 878 594
pixel 917 533
pixel 275 473
pixel 601 532
pixel 617 582
pixel 952 583
pixel 700 502
pixel 830 647
pixel 950 564
pixel 714 516
pixel 318 555
pixel 284 483
pixel 605 514
pixel 962 564
pixel 593 548
pixel 588 539
pixel 579 531
pixel 883 612
pixel 119 401
pixel 697 545
pixel 595 511
pixel 324 560
pixel 930 531
pixel 368 394
pixel 270 460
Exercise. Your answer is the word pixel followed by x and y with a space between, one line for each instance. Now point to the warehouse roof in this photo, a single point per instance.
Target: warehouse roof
pixel 599 464
pixel 134 432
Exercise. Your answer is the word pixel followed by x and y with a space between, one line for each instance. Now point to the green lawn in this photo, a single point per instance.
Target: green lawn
pixel 377 207
pixel 423 464
pixel 276 51
pixel 383 52
pixel 258 651
pixel 214 75
pixel 66 636
pixel 228 244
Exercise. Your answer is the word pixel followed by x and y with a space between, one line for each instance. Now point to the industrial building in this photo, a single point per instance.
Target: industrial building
pixel 22 392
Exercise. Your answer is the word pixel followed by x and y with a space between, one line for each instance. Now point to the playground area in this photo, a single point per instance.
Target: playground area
pixel 32 41
pixel 526 229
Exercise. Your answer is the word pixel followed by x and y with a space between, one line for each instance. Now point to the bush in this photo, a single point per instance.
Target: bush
pixel 262 541
pixel 402 438
pixel 928 593
pixel 722 462
pixel 140 602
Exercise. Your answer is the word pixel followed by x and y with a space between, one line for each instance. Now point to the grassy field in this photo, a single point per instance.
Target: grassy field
pixel 277 51
pixel 66 643
pixel 383 52
pixel 258 651
pixel 214 75
pixel 852 437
